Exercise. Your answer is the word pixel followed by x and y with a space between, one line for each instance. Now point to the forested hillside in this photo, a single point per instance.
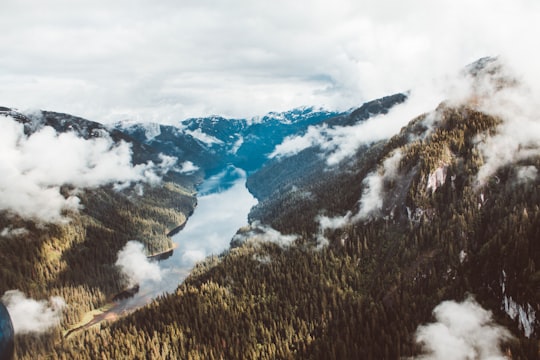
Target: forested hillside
pixel 359 279
pixel 73 255
pixel 354 243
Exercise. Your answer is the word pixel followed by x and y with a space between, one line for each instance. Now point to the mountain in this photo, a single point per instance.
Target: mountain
pixel 213 143
pixel 358 236
pixel 361 251
pixel 73 194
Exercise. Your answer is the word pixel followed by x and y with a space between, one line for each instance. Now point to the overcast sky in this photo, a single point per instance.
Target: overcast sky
pixel 165 60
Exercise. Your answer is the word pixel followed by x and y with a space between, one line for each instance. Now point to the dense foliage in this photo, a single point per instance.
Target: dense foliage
pixel 360 296
pixel 364 294
pixel 76 260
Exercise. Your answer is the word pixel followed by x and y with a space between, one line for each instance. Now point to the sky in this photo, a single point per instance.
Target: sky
pixel 164 61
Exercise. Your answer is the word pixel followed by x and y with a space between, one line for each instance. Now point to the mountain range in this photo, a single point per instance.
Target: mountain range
pixel 357 237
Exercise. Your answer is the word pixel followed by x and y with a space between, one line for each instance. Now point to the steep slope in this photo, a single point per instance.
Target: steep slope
pixel 90 210
pixel 403 225
pixel 287 180
pixel 213 143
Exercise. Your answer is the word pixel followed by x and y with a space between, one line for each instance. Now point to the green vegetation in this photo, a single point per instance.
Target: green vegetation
pixel 360 297
pixel 76 260
pixel 364 295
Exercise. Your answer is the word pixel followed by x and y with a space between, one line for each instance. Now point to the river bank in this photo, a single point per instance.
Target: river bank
pixel 208 231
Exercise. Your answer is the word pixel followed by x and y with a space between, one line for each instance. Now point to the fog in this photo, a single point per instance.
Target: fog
pixel 135 266
pixel 33 316
pixel 35 166
pixel 462 331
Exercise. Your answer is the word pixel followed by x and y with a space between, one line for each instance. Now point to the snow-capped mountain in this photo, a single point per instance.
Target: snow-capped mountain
pixel 211 143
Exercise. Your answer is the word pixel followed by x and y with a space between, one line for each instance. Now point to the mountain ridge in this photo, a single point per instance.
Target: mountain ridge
pixel 348 252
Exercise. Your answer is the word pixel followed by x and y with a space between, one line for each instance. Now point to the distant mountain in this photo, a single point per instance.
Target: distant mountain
pixel 213 143
pixel 308 164
pixel 348 253
pixel 357 237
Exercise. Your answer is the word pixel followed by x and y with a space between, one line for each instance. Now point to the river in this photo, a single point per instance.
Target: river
pixel 222 208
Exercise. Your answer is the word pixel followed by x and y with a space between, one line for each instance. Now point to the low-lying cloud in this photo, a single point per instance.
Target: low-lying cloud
pixel 260 233
pixel 371 201
pixel 33 316
pixel 35 166
pixel 9 232
pixel 135 266
pixel 518 135
pixel 187 167
pixel 341 142
pixel 462 331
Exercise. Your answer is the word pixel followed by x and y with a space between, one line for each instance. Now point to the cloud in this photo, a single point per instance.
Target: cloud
pixel 517 137
pixel 135 266
pixel 260 233
pixel 462 331
pixel 342 142
pixel 527 173
pixel 35 166
pixel 203 137
pixel 371 201
pixel 33 316
pixel 372 196
pixel 333 223
pixel 188 167
pixel 292 145
pixel 162 63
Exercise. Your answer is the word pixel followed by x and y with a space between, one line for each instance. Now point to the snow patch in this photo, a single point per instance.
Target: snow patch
pixel 151 130
pixel 187 167
pixel 437 178
pixel 524 314
pixel 203 137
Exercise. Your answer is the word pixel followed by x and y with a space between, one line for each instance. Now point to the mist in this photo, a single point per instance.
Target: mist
pixel 462 331
pixel 340 143
pixel 257 233
pixel 135 266
pixel 517 137
pixel 371 201
pixel 31 316
pixel 35 166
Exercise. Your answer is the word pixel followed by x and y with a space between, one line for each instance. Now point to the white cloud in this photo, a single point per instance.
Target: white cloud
pixel 33 168
pixel 292 145
pixel 135 266
pixel 463 331
pixel 372 196
pixel 174 60
pixel 260 233
pixel 202 137
pixel 371 201
pixel 33 316
pixel 188 167
pixel 341 142
pixel 518 135
pixel 527 173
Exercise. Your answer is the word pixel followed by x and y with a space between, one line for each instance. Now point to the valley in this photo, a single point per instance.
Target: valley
pixel 305 234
